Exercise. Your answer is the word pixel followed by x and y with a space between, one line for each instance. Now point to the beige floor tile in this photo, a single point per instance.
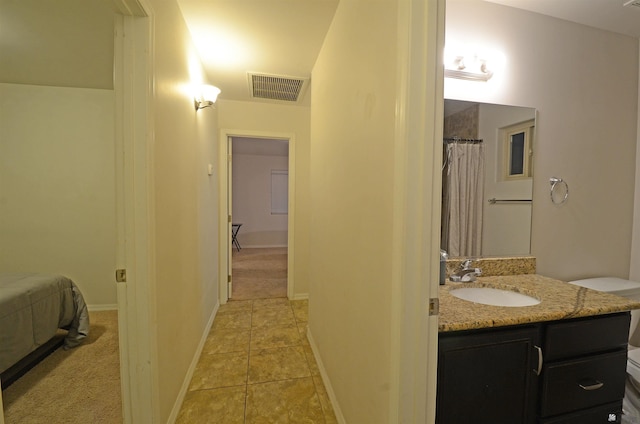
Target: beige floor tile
pixel 300 312
pixel 225 340
pixel 277 364
pixel 270 303
pixel 289 401
pixel 270 337
pixel 285 384
pixel 220 370
pixel 236 306
pixel 280 316
pixel 327 408
pixel 301 306
pixel 225 405
pixel 302 330
pixel 311 360
pixel 233 319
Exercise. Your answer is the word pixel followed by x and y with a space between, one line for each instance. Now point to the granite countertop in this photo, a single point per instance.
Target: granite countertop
pixel 559 300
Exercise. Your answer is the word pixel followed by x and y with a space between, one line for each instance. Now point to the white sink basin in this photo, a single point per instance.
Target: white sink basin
pixel 495 297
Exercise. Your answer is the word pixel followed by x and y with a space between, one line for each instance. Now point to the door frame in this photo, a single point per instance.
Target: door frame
pixel 418 176
pixel 225 187
pixel 133 87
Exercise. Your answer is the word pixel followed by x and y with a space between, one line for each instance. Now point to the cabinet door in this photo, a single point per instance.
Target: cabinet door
pixel 488 377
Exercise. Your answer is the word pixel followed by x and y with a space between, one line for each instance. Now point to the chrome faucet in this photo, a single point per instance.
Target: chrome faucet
pixel 466 273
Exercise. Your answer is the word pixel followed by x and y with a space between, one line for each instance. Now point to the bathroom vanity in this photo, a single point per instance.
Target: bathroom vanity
pixel 560 361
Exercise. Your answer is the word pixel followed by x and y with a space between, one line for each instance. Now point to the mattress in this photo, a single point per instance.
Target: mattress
pixel 32 308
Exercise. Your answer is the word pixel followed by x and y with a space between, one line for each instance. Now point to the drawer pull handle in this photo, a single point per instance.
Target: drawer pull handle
pixel 590 385
pixel 539 370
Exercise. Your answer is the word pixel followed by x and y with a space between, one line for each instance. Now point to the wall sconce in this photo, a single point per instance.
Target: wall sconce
pixel 467 67
pixel 207 97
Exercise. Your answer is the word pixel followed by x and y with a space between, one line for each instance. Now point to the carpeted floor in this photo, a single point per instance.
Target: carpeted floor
pixel 81 385
pixel 259 273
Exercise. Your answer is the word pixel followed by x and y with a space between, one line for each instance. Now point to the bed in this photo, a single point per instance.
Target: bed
pixel 33 307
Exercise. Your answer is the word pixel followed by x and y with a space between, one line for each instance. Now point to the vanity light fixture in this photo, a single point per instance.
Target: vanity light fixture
pixel 468 68
pixel 207 96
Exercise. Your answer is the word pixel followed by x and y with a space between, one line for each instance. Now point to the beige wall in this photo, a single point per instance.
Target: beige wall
pixel 66 43
pixel 186 209
pixel 584 83
pixel 251 187
pixel 352 172
pixel 57 186
pixel 57 164
pixel 273 118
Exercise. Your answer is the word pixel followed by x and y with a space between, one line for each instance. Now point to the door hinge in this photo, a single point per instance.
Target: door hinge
pixel 228 278
pixel 121 275
pixel 434 306
pixel 229 218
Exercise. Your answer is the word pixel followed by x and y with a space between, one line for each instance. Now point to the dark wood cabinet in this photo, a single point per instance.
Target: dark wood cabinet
pixel 585 368
pixel 488 376
pixel 559 372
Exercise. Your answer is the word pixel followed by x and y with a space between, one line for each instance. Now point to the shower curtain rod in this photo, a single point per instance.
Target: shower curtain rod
pixel 462 140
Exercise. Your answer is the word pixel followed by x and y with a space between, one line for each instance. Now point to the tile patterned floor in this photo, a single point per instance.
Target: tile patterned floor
pixel 257 367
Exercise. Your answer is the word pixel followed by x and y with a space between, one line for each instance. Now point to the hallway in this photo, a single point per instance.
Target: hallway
pixel 257 367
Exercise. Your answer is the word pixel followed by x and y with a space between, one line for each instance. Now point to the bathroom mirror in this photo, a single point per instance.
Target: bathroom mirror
pixel 487 179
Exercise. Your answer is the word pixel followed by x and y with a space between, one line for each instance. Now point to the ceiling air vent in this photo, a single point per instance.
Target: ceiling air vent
pixel 276 87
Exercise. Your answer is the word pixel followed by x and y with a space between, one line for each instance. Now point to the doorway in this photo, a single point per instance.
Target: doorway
pixel 259 204
pixel 257 198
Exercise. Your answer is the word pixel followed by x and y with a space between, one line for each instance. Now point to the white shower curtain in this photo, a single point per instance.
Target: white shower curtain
pixel 464 186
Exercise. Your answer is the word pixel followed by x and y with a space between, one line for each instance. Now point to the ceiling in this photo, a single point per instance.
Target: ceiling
pixel 610 15
pixel 275 37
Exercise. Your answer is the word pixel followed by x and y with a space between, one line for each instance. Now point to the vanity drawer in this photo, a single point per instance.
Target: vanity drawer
pixel 583 336
pixel 611 413
pixel 583 383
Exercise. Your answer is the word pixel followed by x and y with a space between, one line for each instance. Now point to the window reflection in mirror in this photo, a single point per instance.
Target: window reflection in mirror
pixel 517 144
pixel 488 156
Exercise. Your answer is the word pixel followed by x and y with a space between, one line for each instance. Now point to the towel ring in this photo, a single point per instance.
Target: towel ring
pixel 554 181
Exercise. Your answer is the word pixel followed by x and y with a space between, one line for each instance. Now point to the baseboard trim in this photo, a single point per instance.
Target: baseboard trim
pixel 105 307
pixel 300 296
pixel 187 379
pixel 325 380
